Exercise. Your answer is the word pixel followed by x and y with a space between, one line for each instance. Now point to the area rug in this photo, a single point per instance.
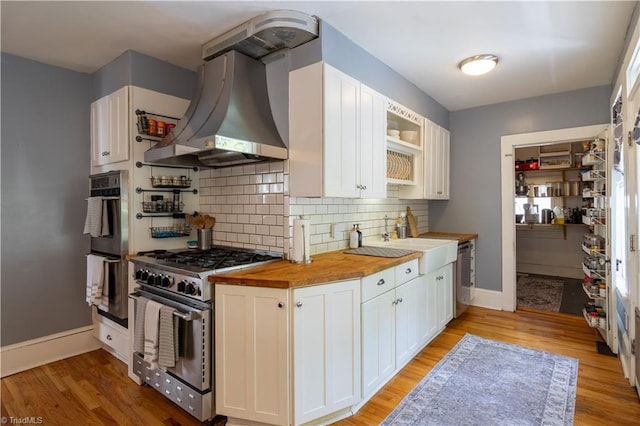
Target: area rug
pixel 539 293
pixel 485 382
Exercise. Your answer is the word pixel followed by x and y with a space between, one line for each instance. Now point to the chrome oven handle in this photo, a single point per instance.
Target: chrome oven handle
pixel 188 316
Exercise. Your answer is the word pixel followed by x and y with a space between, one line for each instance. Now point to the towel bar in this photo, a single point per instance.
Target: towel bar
pixel 189 316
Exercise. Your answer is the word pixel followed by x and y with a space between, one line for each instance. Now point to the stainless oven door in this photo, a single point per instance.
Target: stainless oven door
pixel 195 338
pixel 115 241
pixel 117 279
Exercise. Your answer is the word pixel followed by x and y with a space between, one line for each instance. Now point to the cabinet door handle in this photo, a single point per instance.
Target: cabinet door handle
pixel 105 153
pixel 109 337
pixel 408 271
pixel 364 187
pixel 299 304
pixel 400 300
pixel 439 192
pixel 381 281
pixel 280 305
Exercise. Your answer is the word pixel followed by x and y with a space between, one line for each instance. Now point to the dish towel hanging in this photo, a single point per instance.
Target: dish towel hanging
pixel 138 330
pixel 97 221
pixel 168 337
pixel 151 322
pixel 95 279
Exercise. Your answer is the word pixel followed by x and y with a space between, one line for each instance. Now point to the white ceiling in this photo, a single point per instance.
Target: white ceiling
pixel 544 46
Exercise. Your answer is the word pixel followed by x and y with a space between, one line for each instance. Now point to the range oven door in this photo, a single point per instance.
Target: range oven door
pixel 195 337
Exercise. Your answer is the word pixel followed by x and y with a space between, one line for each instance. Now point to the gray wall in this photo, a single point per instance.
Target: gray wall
pixel 45 164
pixel 342 53
pixel 136 69
pixel 475 164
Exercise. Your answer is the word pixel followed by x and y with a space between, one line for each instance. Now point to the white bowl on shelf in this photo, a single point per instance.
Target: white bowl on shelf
pixel 410 136
pixel 393 133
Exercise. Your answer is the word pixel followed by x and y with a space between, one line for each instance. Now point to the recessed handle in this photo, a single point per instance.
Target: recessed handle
pixel 381 281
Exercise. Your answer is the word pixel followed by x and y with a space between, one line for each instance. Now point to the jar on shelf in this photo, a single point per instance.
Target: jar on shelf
pixel 602 290
pixel 153 127
pixel 161 128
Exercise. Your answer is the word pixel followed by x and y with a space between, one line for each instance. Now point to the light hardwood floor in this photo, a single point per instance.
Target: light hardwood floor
pixel 93 389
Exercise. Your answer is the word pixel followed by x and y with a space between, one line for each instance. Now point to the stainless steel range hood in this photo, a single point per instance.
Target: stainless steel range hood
pixel 229 122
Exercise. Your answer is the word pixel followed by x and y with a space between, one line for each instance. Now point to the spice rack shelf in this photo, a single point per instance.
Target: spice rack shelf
pixel 170 231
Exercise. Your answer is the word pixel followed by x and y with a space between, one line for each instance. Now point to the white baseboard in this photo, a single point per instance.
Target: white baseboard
pixel 490 299
pixel 43 350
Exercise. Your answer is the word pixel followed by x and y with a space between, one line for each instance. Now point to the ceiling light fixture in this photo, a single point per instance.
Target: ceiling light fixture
pixel 478 65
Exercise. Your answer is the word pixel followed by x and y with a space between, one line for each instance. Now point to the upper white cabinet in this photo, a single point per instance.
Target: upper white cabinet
pixel 336 135
pixel 436 145
pixel 110 128
pixel 404 150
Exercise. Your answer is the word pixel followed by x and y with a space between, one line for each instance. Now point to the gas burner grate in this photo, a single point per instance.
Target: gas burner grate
pixel 215 258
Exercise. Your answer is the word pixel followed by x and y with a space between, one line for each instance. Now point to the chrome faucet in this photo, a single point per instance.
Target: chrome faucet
pixel 385 236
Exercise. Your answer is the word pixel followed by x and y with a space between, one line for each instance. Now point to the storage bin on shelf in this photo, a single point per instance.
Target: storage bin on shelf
pixel 164 206
pixel 181 230
pixel 170 182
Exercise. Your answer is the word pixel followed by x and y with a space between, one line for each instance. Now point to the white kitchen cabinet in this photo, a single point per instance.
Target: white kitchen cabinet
pixel 436 162
pixel 326 349
pixel 110 128
pixel 336 135
pixel 443 278
pixel 394 321
pixel 252 353
pixel 407 305
pixel 114 337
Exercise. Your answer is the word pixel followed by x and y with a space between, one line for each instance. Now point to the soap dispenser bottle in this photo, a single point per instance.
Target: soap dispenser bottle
pixel 353 238
pixel 359 235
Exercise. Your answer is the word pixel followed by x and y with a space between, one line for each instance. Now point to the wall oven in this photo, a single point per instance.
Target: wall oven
pixel 112 242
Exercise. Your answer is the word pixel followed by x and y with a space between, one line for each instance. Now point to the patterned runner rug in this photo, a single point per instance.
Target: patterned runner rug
pixel 539 293
pixel 485 382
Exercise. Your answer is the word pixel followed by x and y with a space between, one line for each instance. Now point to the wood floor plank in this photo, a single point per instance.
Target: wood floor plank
pixel 94 389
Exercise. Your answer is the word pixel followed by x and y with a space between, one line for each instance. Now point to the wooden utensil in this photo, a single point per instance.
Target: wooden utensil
pixel 412 222
pixel 209 221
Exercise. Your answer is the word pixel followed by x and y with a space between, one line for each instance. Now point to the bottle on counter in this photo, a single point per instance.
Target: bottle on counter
pixel 359 235
pixel 353 237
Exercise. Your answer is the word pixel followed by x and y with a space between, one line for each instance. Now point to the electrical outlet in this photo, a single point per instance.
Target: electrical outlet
pixel 334 229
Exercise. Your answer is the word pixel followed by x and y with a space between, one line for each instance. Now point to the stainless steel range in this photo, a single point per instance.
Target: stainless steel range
pixel 178 279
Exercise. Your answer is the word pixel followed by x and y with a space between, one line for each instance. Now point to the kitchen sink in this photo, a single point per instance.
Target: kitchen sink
pixel 435 252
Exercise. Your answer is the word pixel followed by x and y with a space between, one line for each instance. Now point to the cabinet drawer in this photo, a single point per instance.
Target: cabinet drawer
pixel 112 337
pixel 376 284
pixel 406 272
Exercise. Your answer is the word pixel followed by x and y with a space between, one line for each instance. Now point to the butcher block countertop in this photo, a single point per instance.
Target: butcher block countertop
pixel 326 267
pixel 462 238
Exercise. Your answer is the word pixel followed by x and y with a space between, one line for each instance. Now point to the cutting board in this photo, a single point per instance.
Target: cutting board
pixel 412 223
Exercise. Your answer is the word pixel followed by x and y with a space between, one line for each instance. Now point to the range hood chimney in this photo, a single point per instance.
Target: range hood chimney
pixel 229 122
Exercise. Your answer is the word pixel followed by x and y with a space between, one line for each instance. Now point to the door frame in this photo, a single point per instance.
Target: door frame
pixel 508 144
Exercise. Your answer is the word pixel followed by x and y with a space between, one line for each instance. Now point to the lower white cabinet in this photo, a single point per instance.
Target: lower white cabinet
pixel 401 320
pixel 264 337
pixel 114 337
pixel 252 353
pixel 443 279
pixel 326 349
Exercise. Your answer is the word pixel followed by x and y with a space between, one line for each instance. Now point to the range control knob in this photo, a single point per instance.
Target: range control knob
pixel 191 289
pixel 182 286
pixel 166 281
pixel 139 274
pixel 144 274
pixel 151 279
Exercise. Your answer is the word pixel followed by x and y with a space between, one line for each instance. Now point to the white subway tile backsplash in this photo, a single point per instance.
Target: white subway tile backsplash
pixel 253 209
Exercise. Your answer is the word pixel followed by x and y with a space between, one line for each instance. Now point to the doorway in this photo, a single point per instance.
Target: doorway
pixel 509 144
pixel 549 230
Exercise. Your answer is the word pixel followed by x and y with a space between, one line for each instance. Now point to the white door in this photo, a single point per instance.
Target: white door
pixel 406 304
pixel 326 349
pixel 444 295
pixel 378 338
pixel 341 111
pixel 372 153
pixel 252 353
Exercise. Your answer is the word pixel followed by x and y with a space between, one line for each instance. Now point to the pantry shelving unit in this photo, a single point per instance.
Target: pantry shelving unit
pixel 595 263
